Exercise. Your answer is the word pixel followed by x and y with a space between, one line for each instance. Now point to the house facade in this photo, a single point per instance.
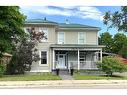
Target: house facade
pixel 67 45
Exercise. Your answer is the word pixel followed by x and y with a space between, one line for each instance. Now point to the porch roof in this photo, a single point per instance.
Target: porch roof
pixel 75 46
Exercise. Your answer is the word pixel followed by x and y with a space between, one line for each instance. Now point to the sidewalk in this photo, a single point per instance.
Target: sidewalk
pixel 65 84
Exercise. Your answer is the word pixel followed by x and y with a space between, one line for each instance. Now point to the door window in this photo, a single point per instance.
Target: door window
pixel 60 56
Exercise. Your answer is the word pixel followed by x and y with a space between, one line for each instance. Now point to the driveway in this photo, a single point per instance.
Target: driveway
pixel 121 74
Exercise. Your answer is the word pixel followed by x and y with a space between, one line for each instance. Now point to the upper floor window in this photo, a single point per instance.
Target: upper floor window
pixel 39 33
pixel 61 38
pixel 81 38
pixel 44 32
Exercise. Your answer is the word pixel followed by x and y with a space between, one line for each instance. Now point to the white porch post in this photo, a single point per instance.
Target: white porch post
pixel 53 59
pixel 101 55
pixel 78 61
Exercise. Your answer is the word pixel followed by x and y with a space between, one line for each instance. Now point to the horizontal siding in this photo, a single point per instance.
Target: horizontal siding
pixel 71 37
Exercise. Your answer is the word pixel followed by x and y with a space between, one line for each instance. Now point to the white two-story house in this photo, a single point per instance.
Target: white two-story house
pixel 68 45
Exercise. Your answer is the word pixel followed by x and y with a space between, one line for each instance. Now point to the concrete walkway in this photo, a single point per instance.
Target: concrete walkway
pixel 65 84
pixel 66 77
pixel 64 74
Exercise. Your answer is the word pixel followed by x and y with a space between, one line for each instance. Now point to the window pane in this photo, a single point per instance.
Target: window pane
pixel 27 29
pixel 60 37
pixel 60 56
pixel 43 57
pixel 45 31
pixel 81 38
pixel 82 59
pixel 81 35
pixel 81 41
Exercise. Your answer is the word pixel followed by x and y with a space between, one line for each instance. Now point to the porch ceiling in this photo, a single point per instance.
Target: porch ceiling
pixel 75 46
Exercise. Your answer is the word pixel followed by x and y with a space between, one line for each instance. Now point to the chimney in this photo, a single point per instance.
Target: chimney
pixel 45 18
pixel 67 21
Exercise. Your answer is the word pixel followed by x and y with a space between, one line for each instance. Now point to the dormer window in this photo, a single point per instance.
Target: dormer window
pixel 61 38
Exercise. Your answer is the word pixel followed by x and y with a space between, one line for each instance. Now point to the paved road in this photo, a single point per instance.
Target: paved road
pixel 68 84
pixel 68 87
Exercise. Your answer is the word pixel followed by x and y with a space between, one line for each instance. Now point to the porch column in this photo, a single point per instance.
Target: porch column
pixel 78 61
pixel 53 59
pixel 101 55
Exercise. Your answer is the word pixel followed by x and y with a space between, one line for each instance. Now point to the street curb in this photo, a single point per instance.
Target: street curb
pixel 61 82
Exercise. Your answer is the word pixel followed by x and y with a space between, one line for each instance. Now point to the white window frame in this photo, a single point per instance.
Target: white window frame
pixel 59 36
pixel 47 33
pixel 40 57
pixel 84 37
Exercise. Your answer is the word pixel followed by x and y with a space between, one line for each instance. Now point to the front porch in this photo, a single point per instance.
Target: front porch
pixel 76 58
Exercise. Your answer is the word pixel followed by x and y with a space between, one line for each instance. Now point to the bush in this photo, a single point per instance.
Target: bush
pixel 2 69
pixel 109 65
pixel 15 66
pixel 123 51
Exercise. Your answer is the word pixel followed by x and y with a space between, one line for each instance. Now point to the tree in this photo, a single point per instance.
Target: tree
pixel 11 23
pixel 22 58
pixel 118 41
pixel 2 69
pixel 113 44
pixel 123 51
pixel 109 65
pixel 26 53
pixel 117 19
pixel 107 40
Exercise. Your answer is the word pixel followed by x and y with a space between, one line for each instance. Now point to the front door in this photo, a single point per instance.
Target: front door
pixel 61 61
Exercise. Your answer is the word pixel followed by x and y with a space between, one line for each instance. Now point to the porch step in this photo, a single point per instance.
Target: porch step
pixel 65 75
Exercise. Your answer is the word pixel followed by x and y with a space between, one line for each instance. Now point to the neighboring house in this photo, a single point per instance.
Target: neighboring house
pixel 67 45
pixel 108 54
pixel 6 58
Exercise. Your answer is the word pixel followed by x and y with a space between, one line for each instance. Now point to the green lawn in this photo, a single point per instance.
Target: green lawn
pixel 92 77
pixel 44 76
pixel 78 75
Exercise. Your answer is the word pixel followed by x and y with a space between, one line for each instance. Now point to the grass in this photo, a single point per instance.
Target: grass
pixel 43 76
pixel 79 76
pixel 82 77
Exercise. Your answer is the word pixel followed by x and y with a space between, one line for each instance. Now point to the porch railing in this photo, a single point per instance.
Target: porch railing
pixel 82 65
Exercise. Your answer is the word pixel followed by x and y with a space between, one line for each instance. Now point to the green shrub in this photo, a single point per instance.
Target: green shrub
pixel 109 65
pixel 14 66
pixel 2 69
pixel 123 51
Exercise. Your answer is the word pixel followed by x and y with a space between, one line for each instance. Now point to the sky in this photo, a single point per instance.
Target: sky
pixel 87 15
